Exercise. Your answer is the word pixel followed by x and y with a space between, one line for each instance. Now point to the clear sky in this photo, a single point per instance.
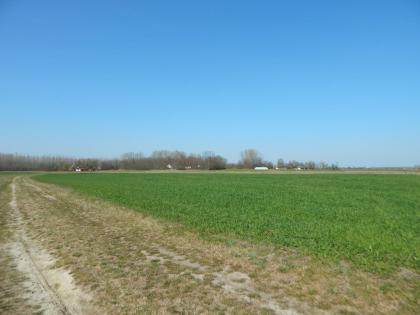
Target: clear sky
pixel 337 81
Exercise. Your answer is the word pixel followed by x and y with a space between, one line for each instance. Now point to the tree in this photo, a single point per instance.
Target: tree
pixel 216 162
pixel 323 165
pixel 335 167
pixel 16 162
pixel 131 160
pixel 280 163
pixel 268 164
pixel 250 158
pixel 310 165
pixel 293 164
pixel 135 161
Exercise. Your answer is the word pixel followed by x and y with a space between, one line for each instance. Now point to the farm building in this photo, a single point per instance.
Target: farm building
pixel 261 168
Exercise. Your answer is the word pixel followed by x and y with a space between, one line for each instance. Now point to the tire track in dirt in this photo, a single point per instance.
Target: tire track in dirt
pixel 41 191
pixel 52 290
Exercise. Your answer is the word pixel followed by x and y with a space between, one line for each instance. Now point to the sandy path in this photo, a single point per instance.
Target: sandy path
pixel 52 290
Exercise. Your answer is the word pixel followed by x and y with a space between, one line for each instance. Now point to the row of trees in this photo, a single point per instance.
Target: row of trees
pixel 128 161
pixel 14 162
pixel 159 160
pixel 251 158
pixel 310 165
pixel 172 160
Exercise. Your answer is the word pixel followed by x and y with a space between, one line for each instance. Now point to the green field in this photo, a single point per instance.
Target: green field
pixel 371 220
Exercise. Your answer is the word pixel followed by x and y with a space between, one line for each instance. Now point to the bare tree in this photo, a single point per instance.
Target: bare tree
pixel 138 161
pixel 280 163
pixel 135 161
pixel 334 167
pixel 310 165
pixel 293 164
pixel 323 165
pixel 86 164
pixel 106 165
pixel 16 162
pixel 250 158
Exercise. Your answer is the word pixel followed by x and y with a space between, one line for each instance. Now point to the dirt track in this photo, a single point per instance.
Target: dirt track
pixel 81 256
pixel 51 290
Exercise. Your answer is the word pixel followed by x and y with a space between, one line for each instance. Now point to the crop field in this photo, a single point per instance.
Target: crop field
pixel 371 220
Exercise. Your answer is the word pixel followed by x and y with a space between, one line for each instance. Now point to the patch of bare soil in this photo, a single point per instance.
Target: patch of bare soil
pixel 238 284
pixel 51 290
pixel 11 280
pixel 132 263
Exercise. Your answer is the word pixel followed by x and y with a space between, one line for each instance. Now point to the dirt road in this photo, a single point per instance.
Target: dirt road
pixel 48 289
pixel 76 255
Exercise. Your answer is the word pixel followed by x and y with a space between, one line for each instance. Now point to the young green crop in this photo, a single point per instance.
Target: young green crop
pixel 371 220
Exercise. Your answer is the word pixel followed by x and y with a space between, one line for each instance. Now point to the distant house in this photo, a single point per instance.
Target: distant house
pixel 261 168
pixel 78 169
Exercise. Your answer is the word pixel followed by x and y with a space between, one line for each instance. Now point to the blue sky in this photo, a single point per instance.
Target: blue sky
pixel 337 81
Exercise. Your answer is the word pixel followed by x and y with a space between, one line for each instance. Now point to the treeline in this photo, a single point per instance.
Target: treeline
pixel 129 161
pixel 310 165
pixel 179 160
pixel 16 162
pixel 251 158
pixel 158 160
